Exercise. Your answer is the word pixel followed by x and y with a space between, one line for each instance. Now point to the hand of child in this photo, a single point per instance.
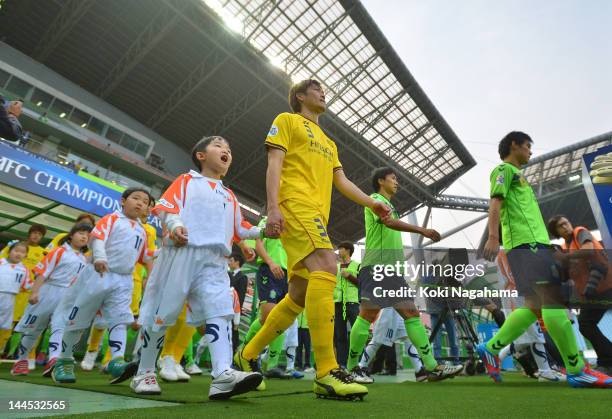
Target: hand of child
pixel 275 223
pixel 180 236
pixel 248 253
pixel 33 299
pixel 101 266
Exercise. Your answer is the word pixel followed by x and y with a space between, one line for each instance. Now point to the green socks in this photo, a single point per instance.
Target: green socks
pixel 253 329
pixel 44 345
pixel 14 343
pixel 274 351
pixel 418 336
pixel 514 326
pixel 360 331
pixel 560 329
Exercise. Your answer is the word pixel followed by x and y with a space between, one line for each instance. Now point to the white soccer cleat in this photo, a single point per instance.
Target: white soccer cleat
pixel 145 384
pixel 193 369
pixel 231 383
pixel 180 373
pixel 89 360
pixel 31 364
pixel 550 375
pixel 361 376
pixel 167 369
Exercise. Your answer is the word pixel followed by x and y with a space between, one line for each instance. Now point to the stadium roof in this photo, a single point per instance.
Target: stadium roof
pixel 557 181
pixel 188 68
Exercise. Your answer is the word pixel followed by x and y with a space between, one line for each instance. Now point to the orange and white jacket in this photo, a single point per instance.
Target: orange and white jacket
pixel 208 210
pixel 61 266
pixel 120 241
pixel 14 277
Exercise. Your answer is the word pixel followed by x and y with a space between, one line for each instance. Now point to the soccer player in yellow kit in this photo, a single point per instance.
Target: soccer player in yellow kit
pixel 302 166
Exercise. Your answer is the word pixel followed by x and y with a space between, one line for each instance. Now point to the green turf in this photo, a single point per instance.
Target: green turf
pixel 517 397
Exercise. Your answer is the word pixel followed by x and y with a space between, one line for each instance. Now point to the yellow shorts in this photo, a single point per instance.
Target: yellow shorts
pixel 305 230
pixel 21 302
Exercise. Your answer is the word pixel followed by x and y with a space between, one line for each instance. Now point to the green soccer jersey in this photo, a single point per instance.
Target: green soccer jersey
pixel 274 248
pixel 383 245
pixel 345 290
pixel 520 217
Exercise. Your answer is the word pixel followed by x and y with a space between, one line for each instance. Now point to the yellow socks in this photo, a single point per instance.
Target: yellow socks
pixel 320 315
pixel 172 335
pixel 279 319
pixel 182 341
pixel 95 337
pixel 5 334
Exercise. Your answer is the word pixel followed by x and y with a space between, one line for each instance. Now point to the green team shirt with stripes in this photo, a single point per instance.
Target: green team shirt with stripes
pixel 383 245
pixel 520 216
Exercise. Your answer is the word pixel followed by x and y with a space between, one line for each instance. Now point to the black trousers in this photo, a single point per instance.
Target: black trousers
pixel 342 330
pixel 587 321
pixel 303 345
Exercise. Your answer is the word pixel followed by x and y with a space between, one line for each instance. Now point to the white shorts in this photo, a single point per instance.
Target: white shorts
pixel 7 305
pixel 193 274
pixel 60 315
pixel 110 293
pixel 291 336
pixel 37 317
pixel 389 327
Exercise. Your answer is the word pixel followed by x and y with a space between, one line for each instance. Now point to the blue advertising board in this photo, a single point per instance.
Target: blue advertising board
pixel 599 192
pixel 36 174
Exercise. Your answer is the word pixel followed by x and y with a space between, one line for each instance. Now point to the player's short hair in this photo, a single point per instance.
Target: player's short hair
pixel 37 228
pixel 75 229
pixel 17 243
pixel 238 258
pixel 84 216
pixel 380 173
pixel 348 246
pixel 517 137
pixel 201 147
pixel 551 226
pixel 300 87
pixel 126 194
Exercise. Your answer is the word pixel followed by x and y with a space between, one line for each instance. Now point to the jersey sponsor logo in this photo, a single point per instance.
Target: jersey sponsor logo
pixel 500 180
pixel 165 203
pixel 273 131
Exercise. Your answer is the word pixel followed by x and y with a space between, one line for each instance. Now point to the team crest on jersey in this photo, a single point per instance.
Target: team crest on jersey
pixel 165 203
pixel 273 131
pixel 500 180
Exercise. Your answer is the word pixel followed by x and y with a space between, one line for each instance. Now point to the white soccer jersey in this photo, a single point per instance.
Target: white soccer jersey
pixel 61 266
pixel 13 277
pixel 208 210
pixel 124 242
